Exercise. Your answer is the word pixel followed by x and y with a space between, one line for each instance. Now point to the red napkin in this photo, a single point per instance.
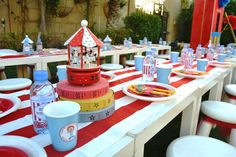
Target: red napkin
pixel 8 151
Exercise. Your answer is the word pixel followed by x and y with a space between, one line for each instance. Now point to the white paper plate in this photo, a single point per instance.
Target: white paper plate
pixel 130 62
pixel 220 64
pixel 8 52
pixel 189 75
pixel 108 76
pixel 111 66
pixel 139 46
pixel 27 145
pixel 16 104
pixel 14 84
pixel 149 98
pixel 118 47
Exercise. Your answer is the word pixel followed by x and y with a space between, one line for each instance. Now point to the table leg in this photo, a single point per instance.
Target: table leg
pixel 20 71
pixel 233 80
pixel 216 91
pixel 190 118
pixel 115 59
pixel 139 152
pixel 228 77
pixel 44 66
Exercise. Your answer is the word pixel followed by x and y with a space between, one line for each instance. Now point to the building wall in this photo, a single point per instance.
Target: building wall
pixel 174 8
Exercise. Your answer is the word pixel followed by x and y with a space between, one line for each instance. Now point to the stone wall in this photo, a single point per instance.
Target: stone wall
pixel 14 17
pixel 20 18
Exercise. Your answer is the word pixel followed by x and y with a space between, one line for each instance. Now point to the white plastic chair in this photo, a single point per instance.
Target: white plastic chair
pixel 221 114
pixel 230 93
pixel 199 146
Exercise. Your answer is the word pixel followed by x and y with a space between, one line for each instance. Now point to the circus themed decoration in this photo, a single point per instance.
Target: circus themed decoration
pixel 83 57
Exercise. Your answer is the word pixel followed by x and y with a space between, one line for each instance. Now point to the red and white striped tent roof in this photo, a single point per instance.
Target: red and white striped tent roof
pixel 83 37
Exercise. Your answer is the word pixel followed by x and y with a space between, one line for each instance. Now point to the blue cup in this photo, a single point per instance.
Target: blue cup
pixel 202 64
pixel 62 119
pixel 149 43
pixel 61 72
pixel 174 57
pixel 203 51
pixel 154 49
pixel 149 52
pixel 140 42
pixel 138 61
pixel 221 57
pixel 234 51
pixel 163 73
pixel 155 52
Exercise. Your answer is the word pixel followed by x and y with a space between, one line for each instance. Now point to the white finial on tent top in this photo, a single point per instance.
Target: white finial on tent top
pixel 84 23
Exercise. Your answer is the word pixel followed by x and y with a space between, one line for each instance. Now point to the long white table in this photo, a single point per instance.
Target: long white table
pixel 41 61
pixel 36 60
pixel 188 102
pixel 138 120
pixel 114 53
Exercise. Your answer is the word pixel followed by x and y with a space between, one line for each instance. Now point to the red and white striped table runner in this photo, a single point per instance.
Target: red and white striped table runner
pixel 20 123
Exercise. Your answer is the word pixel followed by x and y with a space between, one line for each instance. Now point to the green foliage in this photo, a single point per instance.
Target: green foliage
pixel 143 25
pixel 117 35
pixel 226 36
pixel 13 40
pixel 185 24
pixel 51 6
pixel 231 8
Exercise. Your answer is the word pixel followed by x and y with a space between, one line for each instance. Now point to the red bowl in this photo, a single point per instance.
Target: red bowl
pixel 83 78
pixel 12 152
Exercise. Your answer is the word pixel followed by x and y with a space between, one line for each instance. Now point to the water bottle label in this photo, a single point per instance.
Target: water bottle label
pixel 210 56
pixel 39 47
pixel 148 72
pixel 37 106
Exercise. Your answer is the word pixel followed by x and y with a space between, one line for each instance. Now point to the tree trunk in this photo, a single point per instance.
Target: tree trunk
pixel 91 4
pixel 113 13
pixel 42 16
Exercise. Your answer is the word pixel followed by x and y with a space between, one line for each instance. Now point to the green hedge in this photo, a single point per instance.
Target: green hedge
pixel 143 25
pixel 185 24
pixel 226 36
pixel 117 35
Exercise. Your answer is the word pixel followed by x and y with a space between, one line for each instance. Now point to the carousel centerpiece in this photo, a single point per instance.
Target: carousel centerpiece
pixel 84 62
pixel 84 84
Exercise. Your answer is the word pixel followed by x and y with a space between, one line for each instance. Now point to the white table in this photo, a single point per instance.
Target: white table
pixel 21 61
pixel 188 102
pixel 128 136
pixel 114 53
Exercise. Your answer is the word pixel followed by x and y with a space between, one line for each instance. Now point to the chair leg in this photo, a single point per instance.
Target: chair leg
pixel 232 101
pixel 30 70
pixel 232 138
pixel 205 128
pixel 229 100
pixel 2 74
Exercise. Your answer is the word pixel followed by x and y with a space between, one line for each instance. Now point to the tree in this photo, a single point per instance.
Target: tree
pixel 42 17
